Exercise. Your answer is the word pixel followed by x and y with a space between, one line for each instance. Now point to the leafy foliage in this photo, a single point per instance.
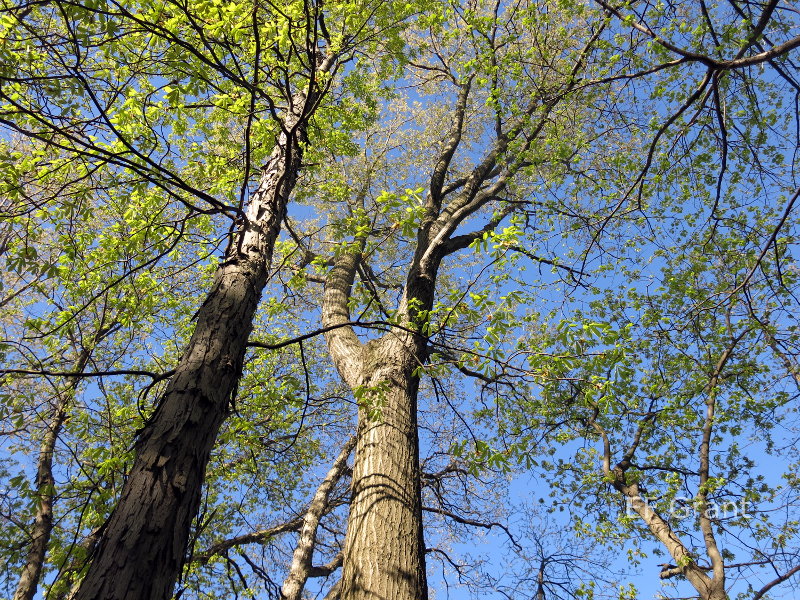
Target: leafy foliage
pixel 612 309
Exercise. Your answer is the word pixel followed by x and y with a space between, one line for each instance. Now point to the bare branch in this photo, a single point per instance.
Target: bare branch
pixel 300 569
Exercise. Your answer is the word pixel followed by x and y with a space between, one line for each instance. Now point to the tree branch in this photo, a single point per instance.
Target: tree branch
pixel 778 580
pixel 344 345
pixel 472 522
pixel 716 65
pixel 300 569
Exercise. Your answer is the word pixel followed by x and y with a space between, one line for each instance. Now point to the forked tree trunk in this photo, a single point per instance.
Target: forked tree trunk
pixel 143 545
pixel 384 557
pixel 384 553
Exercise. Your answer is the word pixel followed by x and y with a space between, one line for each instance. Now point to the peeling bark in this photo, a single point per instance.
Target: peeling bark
pixel 143 544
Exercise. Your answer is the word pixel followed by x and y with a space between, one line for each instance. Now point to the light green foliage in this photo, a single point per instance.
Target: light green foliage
pixel 693 321
pixel 594 294
pixel 135 132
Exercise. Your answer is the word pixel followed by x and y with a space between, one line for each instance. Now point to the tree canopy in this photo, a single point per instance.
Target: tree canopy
pixel 382 299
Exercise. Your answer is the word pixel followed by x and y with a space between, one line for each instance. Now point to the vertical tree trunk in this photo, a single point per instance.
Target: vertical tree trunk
pixel 384 553
pixel 142 548
pixel 43 520
pixel 384 557
pixel 384 548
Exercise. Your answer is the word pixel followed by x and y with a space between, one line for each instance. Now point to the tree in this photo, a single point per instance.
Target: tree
pixel 660 375
pixel 687 408
pixel 487 177
pixel 49 338
pixel 383 373
pixel 93 126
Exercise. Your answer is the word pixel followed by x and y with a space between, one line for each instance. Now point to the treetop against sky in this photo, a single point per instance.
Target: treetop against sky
pixel 364 299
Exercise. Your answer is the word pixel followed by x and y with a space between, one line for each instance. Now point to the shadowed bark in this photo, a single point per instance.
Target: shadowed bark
pixel 148 531
pixel 384 554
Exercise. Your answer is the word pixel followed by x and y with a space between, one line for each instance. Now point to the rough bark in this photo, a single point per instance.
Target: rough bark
pixel 384 553
pixel 384 548
pixel 143 545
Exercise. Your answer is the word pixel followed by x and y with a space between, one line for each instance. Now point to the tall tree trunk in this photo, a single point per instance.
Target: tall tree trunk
pixel 384 553
pixel 45 487
pixel 384 547
pixel 384 557
pixel 142 548
pixel 43 520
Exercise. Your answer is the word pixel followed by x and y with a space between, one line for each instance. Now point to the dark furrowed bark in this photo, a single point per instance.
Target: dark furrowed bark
pixel 143 545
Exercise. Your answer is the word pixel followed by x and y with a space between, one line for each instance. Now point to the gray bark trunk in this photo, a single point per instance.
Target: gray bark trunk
pixel 384 556
pixel 141 552
pixel 384 553
pixel 301 567
pixel 45 490
pixel 43 520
